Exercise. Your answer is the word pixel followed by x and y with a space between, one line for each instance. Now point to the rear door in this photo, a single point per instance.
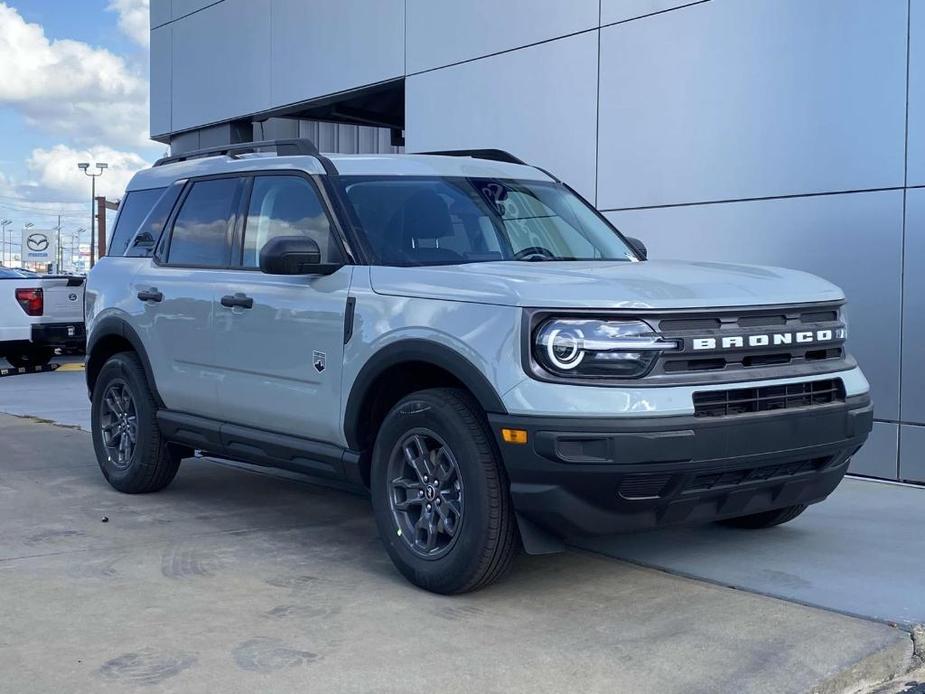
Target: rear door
pixel 175 292
pixel 280 359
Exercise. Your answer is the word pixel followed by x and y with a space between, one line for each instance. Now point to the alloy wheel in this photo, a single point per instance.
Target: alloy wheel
pixel 119 424
pixel 425 493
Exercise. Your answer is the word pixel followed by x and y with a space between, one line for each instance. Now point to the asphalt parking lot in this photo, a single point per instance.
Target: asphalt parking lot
pixel 234 579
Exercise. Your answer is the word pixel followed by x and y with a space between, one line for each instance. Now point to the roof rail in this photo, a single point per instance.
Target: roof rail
pixel 490 154
pixel 284 148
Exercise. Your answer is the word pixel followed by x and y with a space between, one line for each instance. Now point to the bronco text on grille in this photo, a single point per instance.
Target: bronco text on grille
pixel 744 344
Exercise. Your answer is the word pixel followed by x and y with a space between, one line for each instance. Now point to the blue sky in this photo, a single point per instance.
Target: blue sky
pixel 73 86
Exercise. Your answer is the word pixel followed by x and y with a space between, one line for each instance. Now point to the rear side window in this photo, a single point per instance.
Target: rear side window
pixel 200 230
pixel 135 207
pixel 145 240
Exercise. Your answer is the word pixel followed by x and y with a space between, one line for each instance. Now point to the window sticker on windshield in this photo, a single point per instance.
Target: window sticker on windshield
pixel 495 194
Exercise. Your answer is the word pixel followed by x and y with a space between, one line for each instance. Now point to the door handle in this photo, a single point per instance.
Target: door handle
pixel 150 295
pixel 238 300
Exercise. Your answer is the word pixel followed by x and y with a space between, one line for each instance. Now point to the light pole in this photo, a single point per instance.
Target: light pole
pixel 27 225
pixel 4 223
pixel 75 256
pixel 85 167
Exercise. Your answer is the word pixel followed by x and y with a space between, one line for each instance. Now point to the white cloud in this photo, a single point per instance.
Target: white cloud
pixel 71 88
pixel 54 172
pixel 134 19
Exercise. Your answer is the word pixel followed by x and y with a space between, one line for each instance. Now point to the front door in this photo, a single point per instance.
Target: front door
pixel 280 339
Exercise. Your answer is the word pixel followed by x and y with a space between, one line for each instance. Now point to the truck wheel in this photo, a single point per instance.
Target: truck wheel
pixel 128 444
pixel 35 356
pixel 440 494
pixel 768 519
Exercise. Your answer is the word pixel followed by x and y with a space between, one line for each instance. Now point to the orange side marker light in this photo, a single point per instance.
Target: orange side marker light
pixel 515 436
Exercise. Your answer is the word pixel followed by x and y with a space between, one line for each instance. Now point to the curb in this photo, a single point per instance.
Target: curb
pixel 873 671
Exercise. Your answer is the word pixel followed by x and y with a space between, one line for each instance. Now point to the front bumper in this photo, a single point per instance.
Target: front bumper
pixel 590 476
pixel 65 335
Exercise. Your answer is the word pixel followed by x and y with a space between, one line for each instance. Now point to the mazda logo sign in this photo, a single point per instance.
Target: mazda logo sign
pixel 37 242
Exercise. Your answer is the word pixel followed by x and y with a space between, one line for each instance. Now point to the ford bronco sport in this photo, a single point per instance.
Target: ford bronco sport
pixel 465 336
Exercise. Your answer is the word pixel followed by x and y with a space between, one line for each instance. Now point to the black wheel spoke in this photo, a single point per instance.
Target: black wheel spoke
pixel 444 466
pixel 427 527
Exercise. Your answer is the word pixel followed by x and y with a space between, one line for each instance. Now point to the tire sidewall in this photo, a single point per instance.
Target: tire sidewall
pixel 425 411
pixel 121 368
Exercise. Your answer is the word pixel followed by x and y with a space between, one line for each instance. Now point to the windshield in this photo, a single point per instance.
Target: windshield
pixel 411 220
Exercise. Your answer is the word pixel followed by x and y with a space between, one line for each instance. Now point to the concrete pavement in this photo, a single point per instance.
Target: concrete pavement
pixel 236 581
pixel 59 396
pixel 860 552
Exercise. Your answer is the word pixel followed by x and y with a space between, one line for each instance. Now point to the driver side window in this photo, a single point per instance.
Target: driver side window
pixel 285 206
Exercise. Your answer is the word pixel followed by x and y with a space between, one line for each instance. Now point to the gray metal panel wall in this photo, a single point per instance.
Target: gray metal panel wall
pixel 442 33
pixel 542 110
pixel 913 390
pixel 622 10
pixel 321 48
pixel 878 456
pixel 728 100
pixel 161 78
pixel 160 13
pixel 916 164
pixel 221 63
pixel 912 453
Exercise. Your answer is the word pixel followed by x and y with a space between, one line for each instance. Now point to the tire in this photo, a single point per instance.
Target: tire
pixel 34 356
pixel 767 519
pixel 470 548
pixel 152 463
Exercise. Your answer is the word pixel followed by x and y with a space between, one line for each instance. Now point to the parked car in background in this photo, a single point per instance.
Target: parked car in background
pixel 38 314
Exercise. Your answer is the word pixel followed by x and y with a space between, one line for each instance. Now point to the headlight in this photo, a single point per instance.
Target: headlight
pixel 579 348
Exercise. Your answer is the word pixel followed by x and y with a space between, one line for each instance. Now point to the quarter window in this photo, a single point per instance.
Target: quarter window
pixel 285 206
pixel 200 231
pixel 135 207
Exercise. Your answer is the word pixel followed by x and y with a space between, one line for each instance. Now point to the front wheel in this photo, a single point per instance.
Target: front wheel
pixel 129 449
pixel 440 494
pixel 768 519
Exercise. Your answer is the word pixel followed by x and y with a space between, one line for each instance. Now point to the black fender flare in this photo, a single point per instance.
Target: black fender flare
pixel 115 326
pixel 416 350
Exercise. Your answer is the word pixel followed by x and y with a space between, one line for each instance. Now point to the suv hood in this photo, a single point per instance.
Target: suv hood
pixel 653 284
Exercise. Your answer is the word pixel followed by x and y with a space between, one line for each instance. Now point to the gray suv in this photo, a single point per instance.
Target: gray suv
pixel 463 335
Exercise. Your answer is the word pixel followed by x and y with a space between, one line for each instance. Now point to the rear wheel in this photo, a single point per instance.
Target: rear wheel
pixel 33 356
pixel 767 519
pixel 440 494
pixel 129 449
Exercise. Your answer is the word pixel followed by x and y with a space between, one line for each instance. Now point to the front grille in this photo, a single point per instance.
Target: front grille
pixel 688 329
pixel 738 401
pixel 731 478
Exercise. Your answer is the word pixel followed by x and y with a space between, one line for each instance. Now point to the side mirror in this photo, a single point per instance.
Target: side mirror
pixel 639 247
pixel 293 255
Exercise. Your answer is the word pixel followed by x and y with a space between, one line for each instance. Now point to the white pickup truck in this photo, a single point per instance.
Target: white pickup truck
pixel 39 313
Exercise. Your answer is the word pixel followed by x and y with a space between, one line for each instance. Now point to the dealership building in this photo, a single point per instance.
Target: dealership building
pixel 777 132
